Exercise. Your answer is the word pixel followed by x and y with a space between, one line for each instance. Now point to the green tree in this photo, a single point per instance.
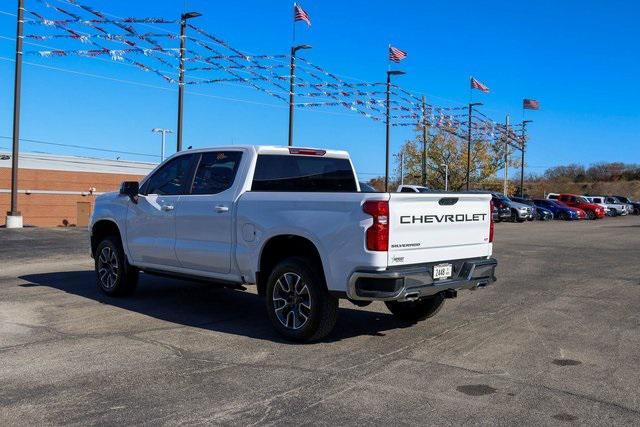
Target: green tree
pixel 487 157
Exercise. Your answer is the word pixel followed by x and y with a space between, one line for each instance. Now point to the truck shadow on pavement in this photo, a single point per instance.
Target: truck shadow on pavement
pixel 206 306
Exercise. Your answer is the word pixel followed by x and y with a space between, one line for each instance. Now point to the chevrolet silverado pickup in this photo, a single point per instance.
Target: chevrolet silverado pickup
pixel 294 223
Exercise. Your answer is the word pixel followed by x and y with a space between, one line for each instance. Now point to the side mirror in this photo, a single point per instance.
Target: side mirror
pixel 130 189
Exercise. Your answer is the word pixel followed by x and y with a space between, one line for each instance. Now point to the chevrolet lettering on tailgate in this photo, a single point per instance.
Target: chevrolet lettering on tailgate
pixel 428 219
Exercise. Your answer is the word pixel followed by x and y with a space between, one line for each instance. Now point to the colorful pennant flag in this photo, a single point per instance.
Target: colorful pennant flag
pixel 299 14
pixel 475 84
pixel 396 55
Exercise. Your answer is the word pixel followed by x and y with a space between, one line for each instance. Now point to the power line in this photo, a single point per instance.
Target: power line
pixel 84 147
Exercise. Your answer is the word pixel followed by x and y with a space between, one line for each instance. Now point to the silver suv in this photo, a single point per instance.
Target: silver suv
pixel 519 211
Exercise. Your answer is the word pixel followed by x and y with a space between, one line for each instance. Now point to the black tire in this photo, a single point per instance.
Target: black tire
pixel 591 215
pixel 514 216
pixel 415 311
pixel 114 275
pixel 521 220
pixel 563 216
pixel 309 313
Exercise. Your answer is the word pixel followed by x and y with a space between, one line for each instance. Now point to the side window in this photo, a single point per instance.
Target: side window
pixel 216 172
pixel 407 190
pixel 171 178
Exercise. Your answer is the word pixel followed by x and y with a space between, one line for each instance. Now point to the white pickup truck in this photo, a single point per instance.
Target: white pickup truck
pixel 293 222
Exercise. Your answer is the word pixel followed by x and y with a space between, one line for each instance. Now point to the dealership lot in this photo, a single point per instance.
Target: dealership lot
pixel 555 340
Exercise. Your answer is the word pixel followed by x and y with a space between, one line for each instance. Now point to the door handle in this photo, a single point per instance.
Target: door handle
pixel 167 208
pixel 221 209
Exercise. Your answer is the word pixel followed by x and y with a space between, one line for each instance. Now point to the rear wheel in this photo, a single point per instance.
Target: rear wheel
pixel 415 311
pixel 298 303
pixel 114 275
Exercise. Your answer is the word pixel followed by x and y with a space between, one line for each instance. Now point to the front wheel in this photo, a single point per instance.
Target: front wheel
pixel 591 215
pixel 114 275
pixel 415 311
pixel 298 303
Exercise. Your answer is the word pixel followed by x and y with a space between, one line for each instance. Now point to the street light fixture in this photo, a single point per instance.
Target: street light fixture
pixel 388 135
pixel 183 38
pixel 292 77
pixel 163 132
pixel 522 147
pixel 471 105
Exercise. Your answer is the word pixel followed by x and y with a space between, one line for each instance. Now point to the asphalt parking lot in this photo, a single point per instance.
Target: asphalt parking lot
pixel 556 340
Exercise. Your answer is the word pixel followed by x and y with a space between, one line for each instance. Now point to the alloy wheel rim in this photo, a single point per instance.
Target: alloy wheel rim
pixel 108 268
pixel 292 301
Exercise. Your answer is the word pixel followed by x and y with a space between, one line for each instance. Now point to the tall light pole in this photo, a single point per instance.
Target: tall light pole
pixel 505 187
pixel 292 78
pixel 183 41
pixel 163 132
pixel 522 147
pixel 471 105
pixel 425 134
pixel 388 124
pixel 14 218
pixel 446 176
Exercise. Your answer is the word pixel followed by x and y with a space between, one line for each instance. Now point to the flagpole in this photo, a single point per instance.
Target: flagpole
pixel 293 19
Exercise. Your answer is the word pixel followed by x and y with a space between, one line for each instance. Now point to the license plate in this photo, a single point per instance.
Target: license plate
pixel 442 271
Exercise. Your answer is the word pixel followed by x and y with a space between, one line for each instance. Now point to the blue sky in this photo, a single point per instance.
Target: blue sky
pixel 580 59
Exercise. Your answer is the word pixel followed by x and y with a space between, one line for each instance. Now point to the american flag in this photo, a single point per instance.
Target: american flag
pixel 299 14
pixel 475 84
pixel 530 104
pixel 396 55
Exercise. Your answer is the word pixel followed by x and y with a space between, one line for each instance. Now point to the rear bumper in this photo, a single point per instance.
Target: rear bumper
pixel 411 282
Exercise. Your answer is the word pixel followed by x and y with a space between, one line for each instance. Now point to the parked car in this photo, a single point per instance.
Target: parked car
pixel 519 211
pixel 634 205
pixel 592 210
pixel 501 211
pixel 413 189
pixel 291 221
pixel 559 210
pixel 611 205
pixel 540 213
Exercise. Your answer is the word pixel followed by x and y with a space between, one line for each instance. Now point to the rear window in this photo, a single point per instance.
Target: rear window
pixel 303 173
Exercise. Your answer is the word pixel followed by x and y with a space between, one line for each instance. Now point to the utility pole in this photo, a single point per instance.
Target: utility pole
pixel 292 77
pixel 163 132
pixel 183 42
pixel 471 105
pixel 14 217
pixel 425 134
pixel 388 124
pixel 522 148
pixel 401 168
pixel 505 189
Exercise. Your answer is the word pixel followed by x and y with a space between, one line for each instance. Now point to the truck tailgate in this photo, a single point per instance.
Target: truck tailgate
pixel 432 227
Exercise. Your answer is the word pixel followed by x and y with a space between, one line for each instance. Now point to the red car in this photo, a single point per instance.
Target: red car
pixel 592 210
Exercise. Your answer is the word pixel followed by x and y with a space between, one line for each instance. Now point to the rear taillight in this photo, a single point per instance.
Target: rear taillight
pixel 378 233
pixel 490 220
